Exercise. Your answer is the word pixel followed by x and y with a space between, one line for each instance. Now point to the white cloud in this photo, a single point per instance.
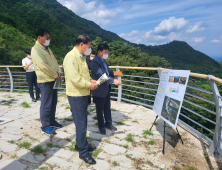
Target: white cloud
pixel 215 41
pixel 170 25
pixel 197 39
pixel 199 26
pixel 91 11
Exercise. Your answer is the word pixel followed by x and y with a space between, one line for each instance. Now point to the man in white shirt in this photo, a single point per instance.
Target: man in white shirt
pixel 30 75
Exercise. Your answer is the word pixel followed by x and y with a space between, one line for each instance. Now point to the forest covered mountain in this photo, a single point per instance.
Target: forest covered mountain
pixel 20 18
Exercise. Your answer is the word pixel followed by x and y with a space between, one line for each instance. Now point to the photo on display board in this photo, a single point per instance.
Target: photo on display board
pixel 170 109
pixel 171 78
pixel 176 79
pixel 182 80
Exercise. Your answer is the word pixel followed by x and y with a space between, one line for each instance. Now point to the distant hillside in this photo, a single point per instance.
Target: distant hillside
pixel 63 24
pixel 23 17
pixel 183 56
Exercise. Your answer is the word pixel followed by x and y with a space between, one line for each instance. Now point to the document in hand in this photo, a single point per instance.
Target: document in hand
pixel 58 85
pixel 102 79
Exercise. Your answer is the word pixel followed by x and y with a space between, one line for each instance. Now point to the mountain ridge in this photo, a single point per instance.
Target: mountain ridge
pixel 64 26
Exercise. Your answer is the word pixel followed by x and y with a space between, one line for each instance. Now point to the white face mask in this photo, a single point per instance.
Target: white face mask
pixel 105 56
pixel 91 58
pixel 29 56
pixel 47 42
pixel 88 51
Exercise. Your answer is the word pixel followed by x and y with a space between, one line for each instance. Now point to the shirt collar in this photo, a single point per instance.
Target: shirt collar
pixel 45 47
pixel 101 59
pixel 83 57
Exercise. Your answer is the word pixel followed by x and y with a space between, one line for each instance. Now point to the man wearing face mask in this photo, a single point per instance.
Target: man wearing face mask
pixel 47 71
pixel 30 75
pixel 101 96
pixel 78 85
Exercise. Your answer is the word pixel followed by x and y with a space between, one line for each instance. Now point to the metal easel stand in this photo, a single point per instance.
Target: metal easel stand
pixel 164 136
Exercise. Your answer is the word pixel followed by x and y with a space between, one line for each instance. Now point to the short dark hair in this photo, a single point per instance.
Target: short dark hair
pixel 82 38
pixel 28 51
pixel 93 53
pixel 41 32
pixel 102 47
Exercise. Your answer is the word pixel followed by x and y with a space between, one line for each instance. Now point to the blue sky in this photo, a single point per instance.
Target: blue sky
pixel 155 22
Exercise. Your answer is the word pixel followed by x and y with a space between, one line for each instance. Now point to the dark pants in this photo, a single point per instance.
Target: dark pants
pixel 89 99
pixel 79 112
pixel 48 103
pixel 32 80
pixel 103 104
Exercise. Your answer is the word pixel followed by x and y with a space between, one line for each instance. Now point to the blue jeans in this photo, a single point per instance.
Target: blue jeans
pixel 48 103
pixel 79 112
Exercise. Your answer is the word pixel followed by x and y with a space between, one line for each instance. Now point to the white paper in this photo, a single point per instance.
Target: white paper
pixel 170 94
pixel 58 85
pixel 102 79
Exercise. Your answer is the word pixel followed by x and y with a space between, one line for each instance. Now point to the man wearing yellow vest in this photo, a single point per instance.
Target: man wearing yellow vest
pixel 78 85
pixel 47 71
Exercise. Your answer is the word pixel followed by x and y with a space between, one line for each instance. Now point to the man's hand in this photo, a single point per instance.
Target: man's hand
pixel 30 63
pixel 59 77
pixel 93 86
pixel 93 81
pixel 117 82
pixel 118 73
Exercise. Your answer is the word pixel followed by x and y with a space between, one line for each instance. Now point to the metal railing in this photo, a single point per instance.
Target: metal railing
pixel 201 109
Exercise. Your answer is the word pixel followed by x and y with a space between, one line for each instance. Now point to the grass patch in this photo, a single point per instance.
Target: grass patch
pixel 37 149
pixel 147 132
pixel 38 119
pixel 192 168
pixel 151 142
pixel 20 92
pixel 135 121
pixel 43 168
pixel 72 148
pixel 96 152
pixel 66 119
pixel 115 163
pixel 92 110
pixel 114 110
pixel 155 123
pixel 96 124
pixel 14 156
pixel 68 139
pixel 120 123
pixel 149 162
pixel 9 97
pixel 88 113
pixel 130 138
pixel 1 90
pixel 25 144
pixel 25 105
pixel 50 145
pixel 11 141
pixel 65 130
pixel 126 146
pixel 32 138
pixel 95 117
pixel 67 107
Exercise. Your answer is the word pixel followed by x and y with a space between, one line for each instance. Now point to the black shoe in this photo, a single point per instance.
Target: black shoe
pixel 88 159
pixel 90 149
pixel 102 131
pixel 111 127
pixel 33 100
pixel 38 98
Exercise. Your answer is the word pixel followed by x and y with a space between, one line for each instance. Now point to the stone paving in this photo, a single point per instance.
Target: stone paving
pixel 24 147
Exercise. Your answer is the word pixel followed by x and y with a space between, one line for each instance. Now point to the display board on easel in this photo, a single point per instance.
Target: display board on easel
pixel 169 97
pixel 170 94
